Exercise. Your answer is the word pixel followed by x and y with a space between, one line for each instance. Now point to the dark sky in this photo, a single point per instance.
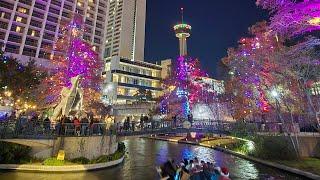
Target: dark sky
pixel 216 25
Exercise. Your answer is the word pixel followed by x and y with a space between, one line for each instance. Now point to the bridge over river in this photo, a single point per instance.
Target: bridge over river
pixel 46 139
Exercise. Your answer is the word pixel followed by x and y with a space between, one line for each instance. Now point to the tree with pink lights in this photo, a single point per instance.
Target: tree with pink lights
pixel 185 89
pixel 73 56
pixel 291 18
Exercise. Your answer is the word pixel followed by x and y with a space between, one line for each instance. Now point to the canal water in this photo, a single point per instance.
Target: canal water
pixel 144 154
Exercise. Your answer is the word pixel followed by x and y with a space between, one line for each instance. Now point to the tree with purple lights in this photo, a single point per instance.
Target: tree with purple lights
pixel 290 18
pixel 73 56
pixel 185 89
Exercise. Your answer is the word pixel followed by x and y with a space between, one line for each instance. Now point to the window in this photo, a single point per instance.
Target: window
pixel 121 91
pixel 107 52
pixel 6 5
pixel 135 81
pixel 35 23
pixel 19 29
pixel 22 10
pixel 12 48
pixel 18 19
pixel 15 38
pixel 115 78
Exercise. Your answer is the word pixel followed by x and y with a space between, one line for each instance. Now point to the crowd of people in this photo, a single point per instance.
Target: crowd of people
pixel 66 125
pixel 192 169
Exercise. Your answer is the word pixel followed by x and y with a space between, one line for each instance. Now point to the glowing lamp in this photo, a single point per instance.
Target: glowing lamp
pixel 315 21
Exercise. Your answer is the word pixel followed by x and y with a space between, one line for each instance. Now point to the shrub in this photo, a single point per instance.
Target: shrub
pixel 13 153
pixel 121 147
pixel 53 162
pixel 274 147
pixel 111 157
pixel 242 147
pixel 243 130
pixel 81 160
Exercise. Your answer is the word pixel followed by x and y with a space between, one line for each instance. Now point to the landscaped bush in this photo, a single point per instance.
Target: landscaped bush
pixel 243 147
pixel 14 153
pixel 104 158
pixel 81 160
pixel 111 157
pixel 53 162
pixel 274 147
pixel 243 130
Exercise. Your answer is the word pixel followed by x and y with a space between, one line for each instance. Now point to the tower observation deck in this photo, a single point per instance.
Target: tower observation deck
pixel 182 31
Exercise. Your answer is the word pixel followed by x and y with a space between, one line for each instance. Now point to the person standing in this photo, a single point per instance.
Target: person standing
pixel 76 123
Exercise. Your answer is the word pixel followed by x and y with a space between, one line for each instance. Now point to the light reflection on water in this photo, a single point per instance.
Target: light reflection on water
pixel 143 155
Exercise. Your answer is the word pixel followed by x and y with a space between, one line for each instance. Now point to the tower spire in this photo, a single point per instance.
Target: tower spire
pixel 181 15
pixel 182 32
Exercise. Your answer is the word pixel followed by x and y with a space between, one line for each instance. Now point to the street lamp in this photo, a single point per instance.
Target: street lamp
pixel 275 94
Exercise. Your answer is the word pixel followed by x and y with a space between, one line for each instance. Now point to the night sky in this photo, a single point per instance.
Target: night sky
pixel 216 25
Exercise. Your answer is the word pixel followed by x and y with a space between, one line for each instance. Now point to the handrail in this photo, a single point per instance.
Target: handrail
pixel 43 129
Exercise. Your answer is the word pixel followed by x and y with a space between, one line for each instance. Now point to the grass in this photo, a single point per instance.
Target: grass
pixel 218 141
pixel 306 164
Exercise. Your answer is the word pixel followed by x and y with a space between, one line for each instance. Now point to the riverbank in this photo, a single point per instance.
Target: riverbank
pixel 218 146
pixel 65 168
pixel 53 164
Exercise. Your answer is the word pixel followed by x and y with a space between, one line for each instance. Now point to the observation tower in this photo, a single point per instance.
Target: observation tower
pixel 182 31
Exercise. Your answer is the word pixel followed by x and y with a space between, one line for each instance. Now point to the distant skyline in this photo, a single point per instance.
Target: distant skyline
pixel 216 26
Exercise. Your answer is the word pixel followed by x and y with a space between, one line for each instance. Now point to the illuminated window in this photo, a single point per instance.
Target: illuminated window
pixel 121 91
pixel 154 73
pixel 115 78
pixel 132 92
pixel 123 79
pixel 107 67
pixel 2 14
pixel 22 10
pixel 18 29
pixel 19 19
pixel 155 84
pixel 33 32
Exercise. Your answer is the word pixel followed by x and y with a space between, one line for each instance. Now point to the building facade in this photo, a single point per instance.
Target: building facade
pixel 126 80
pixel 29 27
pixel 125 33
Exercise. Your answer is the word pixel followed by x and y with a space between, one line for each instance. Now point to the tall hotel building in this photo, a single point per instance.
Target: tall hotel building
pixel 126 73
pixel 116 29
pixel 27 27
pixel 125 33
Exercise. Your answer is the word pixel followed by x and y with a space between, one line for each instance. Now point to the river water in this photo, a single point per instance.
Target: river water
pixel 144 154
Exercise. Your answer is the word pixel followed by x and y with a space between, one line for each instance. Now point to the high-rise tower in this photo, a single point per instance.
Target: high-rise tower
pixel 125 33
pixel 182 31
pixel 29 27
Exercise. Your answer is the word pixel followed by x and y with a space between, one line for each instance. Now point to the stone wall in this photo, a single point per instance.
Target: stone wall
pixel 74 147
pixel 309 146
pixel 89 147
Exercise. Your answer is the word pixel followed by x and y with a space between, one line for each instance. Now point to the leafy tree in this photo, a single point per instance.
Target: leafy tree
pixel 73 56
pixel 19 79
pixel 291 18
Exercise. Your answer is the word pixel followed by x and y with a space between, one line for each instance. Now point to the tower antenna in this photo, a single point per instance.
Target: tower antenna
pixel 181 15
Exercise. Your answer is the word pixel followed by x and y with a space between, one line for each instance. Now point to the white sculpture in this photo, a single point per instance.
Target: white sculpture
pixel 71 100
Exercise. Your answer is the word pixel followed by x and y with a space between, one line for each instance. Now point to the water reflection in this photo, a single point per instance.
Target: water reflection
pixel 143 155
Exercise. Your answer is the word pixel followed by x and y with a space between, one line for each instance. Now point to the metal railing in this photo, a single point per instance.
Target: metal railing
pixel 37 129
